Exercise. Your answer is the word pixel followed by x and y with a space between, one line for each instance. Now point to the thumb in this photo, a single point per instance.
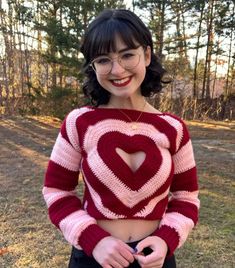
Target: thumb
pixel 141 245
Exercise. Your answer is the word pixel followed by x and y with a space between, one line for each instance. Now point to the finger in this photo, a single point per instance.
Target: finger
pixel 122 261
pixel 139 258
pixel 127 255
pixel 130 249
pixel 144 261
pixel 115 264
pixel 156 264
pixel 124 257
pixel 127 252
pixel 153 257
pixel 107 266
pixel 143 244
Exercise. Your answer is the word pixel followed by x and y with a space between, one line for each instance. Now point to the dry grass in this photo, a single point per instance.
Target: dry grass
pixel 27 238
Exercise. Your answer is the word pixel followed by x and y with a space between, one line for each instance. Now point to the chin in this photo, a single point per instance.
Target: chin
pixel 124 95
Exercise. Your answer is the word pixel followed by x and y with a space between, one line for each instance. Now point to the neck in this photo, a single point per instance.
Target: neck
pixel 134 103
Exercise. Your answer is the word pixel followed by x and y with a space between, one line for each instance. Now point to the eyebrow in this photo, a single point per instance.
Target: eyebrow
pixel 119 51
pixel 124 49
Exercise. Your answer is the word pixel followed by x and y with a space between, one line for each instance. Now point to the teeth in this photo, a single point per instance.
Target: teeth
pixel 121 81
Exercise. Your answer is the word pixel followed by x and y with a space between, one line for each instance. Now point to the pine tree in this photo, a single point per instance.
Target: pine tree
pixel 63 24
pixel 157 21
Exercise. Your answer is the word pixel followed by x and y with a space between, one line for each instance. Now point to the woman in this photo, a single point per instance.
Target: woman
pixel 141 192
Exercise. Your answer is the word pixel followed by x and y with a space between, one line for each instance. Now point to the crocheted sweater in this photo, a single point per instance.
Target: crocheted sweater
pixel 163 187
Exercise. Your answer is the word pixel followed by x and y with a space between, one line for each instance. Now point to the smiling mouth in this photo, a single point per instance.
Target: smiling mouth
pixel 121 82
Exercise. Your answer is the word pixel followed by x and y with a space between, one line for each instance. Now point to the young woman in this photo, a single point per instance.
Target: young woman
pixel 141 192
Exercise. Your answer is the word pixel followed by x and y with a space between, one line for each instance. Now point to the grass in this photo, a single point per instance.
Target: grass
pixel 28 239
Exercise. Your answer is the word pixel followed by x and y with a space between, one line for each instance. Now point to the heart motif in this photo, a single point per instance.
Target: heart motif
pixel 108 169
pixel 130 145
pixel 134 160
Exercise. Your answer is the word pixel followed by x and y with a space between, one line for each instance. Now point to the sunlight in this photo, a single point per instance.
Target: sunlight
pixel 30 154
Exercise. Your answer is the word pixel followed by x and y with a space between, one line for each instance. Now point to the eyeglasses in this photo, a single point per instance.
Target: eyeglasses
pixel 104 64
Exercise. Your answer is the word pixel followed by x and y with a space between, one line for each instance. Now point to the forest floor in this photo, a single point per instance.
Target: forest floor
pixel 28 239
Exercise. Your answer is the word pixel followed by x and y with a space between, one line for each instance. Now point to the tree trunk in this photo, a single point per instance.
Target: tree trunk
pixel 53 50
pixel 162 7
pixel 195 82
pixel 227 89
pixel 206 78
pixel 179 12
pixel 216 68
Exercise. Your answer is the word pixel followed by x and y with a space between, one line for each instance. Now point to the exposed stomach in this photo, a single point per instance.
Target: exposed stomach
pixel 129 230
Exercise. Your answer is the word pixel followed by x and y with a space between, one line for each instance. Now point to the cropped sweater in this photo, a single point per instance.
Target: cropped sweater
pixel 164 187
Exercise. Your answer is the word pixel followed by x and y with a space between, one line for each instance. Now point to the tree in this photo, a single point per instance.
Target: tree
pixel 197 7
pixel 227 28
pixel 63 24
pixel 157 21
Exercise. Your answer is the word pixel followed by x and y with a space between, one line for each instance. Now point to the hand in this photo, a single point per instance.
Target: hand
pixel 111 252
pixel 157 257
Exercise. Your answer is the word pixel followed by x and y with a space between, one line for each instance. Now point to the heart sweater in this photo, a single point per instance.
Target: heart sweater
pixel 163 187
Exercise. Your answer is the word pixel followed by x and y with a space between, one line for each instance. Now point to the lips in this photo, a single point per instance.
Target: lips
pixel 121 82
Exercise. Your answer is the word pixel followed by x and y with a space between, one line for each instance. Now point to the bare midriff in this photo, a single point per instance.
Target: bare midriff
pixel 129 230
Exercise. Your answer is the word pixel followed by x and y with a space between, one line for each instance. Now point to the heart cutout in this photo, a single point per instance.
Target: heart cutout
pixel 107 145
pixel 133 160
pixel 108 171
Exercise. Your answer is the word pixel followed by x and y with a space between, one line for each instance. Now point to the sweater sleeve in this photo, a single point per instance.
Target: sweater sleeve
pixel 182 211
pixel 59 191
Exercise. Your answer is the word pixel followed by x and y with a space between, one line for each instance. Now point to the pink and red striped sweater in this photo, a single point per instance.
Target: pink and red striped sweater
pixel 164 187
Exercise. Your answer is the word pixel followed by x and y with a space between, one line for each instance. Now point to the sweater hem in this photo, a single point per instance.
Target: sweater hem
pixel 90 237
pixel 170 236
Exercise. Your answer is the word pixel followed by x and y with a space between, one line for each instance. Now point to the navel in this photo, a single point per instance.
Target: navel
pixel 130 238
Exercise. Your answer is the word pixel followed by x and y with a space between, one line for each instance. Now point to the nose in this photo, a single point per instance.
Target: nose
pixel 117 67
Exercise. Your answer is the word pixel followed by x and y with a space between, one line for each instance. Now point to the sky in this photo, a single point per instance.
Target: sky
pixel 128 3
pixel 221 69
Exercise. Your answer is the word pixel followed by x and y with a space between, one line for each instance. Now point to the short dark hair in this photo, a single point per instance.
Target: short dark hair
pixel 100 39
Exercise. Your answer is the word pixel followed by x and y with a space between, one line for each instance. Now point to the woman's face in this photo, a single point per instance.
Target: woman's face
pixel 121 81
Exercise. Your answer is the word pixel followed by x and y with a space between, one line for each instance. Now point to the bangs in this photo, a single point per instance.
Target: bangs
pixel 104 37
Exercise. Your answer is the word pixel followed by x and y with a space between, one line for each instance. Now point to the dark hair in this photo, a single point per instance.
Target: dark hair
pixel 100 39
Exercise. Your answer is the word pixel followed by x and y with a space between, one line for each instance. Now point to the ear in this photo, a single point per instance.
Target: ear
pixel 147 55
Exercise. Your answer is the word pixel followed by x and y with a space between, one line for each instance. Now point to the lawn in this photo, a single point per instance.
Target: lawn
pixel 28 239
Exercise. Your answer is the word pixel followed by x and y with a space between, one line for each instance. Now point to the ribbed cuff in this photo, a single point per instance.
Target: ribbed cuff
pixel 90 237
pixel 170 236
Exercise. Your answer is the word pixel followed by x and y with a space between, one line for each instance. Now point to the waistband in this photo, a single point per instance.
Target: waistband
pixel 133 244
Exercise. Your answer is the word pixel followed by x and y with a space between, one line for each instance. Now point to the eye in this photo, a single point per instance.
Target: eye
pixel 102 61
pixel 128 55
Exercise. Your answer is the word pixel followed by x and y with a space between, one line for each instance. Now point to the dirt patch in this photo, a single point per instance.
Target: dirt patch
pixel 28 239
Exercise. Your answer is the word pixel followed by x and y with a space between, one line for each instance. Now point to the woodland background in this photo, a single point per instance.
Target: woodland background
pixel 40 63
pixel 40 79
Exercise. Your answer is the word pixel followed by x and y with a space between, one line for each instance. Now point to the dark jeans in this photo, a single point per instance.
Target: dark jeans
pixel 79 259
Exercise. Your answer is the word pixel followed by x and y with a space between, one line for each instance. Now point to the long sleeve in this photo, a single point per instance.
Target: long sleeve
pixel 59 191
pixel 182 211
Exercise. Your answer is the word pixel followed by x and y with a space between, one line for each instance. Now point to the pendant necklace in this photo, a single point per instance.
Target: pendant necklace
pixel 134 124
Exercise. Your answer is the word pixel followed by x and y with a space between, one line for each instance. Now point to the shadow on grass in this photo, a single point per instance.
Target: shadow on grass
pixel 25 145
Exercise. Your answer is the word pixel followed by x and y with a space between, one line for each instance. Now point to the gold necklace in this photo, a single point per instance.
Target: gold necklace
pixel 134 125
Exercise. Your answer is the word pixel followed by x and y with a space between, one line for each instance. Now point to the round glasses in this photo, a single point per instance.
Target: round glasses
pixel 104 64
